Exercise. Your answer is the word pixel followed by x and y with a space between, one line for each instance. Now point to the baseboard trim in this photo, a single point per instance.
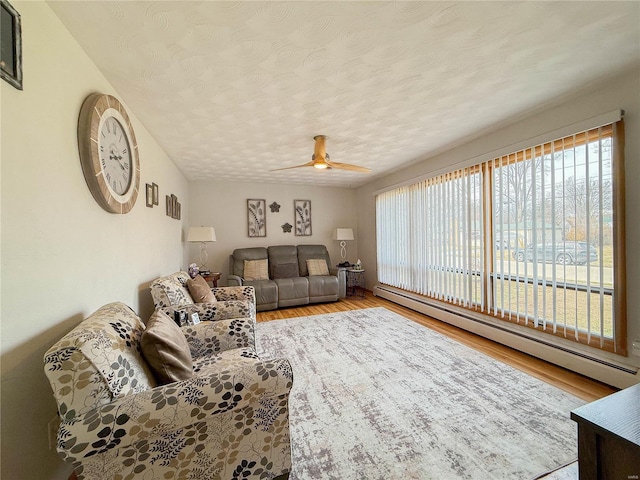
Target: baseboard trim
pixel 600 369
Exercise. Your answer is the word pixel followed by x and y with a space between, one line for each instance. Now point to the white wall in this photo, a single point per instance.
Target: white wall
pixel 62 255
pixel 223 205
pixel 622 92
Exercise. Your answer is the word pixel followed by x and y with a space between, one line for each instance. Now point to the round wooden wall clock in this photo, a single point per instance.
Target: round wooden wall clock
pixel 108 153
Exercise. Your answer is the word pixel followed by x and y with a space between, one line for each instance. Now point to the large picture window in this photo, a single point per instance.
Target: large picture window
pixel 532 238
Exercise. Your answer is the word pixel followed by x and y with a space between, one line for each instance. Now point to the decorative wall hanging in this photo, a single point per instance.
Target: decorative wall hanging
pixel 155 195
pixel 275 208
pixel 286 228
pixel 302 212
pixel 149 192
pixel 174 208
pixel 11 41
pixel 256 218
pixel 108 153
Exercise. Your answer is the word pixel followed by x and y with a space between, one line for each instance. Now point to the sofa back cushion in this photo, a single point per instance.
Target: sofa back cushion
pixel 97 361
pixel 283 261
pixel 307 252
pixel 241 254
pixel 171 290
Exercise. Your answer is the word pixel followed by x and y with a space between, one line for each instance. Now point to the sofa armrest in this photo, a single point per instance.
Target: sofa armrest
pixel 234 280
pixel 215 311
pixel 210 338
pixel 167 409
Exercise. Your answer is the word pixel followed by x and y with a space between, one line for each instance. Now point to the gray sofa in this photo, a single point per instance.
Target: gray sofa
pixel 289 283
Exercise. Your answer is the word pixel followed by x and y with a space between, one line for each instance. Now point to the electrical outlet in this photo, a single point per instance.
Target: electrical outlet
pixel 52 430
pixel 635 347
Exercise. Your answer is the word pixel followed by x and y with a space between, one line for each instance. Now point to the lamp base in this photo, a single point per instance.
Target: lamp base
pixel 343 251
pixel 203 257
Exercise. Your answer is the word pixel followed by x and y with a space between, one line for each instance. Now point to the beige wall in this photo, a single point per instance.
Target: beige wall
pixel 223 205
pixel 622 92
pixel 62 255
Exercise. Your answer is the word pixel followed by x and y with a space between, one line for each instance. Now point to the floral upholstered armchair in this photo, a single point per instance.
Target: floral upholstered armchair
pixel 129 410
pixel 174 290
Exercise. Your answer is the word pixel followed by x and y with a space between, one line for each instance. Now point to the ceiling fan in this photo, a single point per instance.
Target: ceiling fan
pixel 320 159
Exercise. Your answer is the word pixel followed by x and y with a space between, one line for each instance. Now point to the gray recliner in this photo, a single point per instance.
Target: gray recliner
pixel 283 269
pixel 266 290
pixel 322 288
pixel 289 283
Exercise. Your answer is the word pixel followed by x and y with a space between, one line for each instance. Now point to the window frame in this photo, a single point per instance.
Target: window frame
pixel 616 344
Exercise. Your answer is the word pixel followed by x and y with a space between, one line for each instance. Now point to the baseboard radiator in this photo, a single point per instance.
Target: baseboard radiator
pixel 603 370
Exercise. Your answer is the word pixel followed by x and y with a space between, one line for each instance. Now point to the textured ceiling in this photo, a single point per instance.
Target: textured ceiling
pixel 232 90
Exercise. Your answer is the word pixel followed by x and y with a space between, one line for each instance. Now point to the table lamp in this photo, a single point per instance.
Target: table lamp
pixel 343 235
pixel 202 235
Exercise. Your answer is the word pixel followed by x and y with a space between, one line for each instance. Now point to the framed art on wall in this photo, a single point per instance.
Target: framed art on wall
pixel 149 192
pixel 256 218
pixel 11 41
pixel 302 213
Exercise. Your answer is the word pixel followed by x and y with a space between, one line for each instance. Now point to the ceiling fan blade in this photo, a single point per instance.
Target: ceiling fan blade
pixel 308 164
pixel 347 166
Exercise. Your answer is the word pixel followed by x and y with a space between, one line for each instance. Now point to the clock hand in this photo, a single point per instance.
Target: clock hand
pixel 117 158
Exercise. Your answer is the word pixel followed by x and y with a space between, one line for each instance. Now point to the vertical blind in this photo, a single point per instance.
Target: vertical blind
pixel 528 237
pixel 429 237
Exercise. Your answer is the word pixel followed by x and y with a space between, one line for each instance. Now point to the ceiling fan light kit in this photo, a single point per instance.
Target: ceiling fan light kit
pixel 321 160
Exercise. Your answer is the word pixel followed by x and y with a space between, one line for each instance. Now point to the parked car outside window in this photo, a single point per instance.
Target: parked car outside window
pixel 564 253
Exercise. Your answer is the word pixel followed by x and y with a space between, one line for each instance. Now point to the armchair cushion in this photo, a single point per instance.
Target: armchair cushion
pixel 166 349
pixel 200 290
pixel 317 266
pixel 256 269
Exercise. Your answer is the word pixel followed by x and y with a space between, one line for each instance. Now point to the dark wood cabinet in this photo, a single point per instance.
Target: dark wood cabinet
pixel 609 437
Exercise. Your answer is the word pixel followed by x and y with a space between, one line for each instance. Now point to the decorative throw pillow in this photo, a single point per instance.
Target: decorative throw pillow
pixel 256 269
pixel 200 290
pixel 284 270
pixel 166 349
pixel 317 266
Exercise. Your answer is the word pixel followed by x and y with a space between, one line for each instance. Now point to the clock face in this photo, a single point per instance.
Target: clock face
pixel 115 155
pixel 108 153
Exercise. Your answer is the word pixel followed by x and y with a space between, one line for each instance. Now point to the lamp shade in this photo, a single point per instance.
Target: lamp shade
pixel 201 234
pixel 344 234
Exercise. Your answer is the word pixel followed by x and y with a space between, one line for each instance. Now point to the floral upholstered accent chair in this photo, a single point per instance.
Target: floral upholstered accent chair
pixel 230 302
pixel 228 420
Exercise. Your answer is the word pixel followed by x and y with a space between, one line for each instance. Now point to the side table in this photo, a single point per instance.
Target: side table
pixel 355 283
pixel 212 278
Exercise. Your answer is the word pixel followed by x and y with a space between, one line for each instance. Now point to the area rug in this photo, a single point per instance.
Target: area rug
pixel 377 396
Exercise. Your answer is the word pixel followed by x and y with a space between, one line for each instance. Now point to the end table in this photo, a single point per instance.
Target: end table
pixel 212 278
pixel 355 283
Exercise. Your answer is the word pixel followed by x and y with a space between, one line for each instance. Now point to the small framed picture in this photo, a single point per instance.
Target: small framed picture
pixel 169 206
pixel 154 195
pixel 149 190
pixel 11 41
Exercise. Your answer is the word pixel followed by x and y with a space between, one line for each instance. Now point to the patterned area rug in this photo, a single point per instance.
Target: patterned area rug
pixel 377 396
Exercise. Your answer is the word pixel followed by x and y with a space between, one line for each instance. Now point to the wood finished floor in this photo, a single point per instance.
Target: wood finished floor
pixel 574 383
